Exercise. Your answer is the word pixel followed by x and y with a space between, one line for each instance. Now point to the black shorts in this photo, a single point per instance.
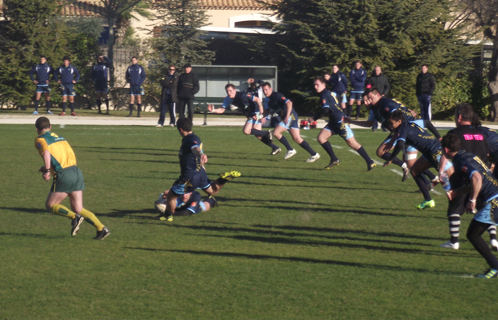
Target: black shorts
pixel 189 182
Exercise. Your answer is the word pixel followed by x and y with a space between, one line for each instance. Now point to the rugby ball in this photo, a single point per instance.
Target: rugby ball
pixel 160 204
pixel 233 108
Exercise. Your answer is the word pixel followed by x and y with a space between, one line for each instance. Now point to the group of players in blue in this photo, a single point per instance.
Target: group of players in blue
pixel 469 182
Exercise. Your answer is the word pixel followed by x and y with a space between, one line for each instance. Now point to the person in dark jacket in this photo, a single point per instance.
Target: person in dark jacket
pixel 42 71
pixel 169 96
pixel 378 80
pixel 100 75
pixel 338 85
pixel 357 77
pixel 135 76
pixel 426 84
pixel 67 75
pixel 188 86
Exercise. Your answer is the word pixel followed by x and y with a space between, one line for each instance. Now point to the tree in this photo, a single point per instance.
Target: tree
pixel 28 32
pixel 113 10
pixel 483 15
pixel 399 35
pixel 178 38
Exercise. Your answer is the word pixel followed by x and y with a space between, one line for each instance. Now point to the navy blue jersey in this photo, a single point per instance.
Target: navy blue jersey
pixel 492 137
pixel 417 137
pixel 135 75
pixel 256 90
pixel 189 163
pixel 100 71
pixel 338 83
pixel 243 101
pixel 41 73
pixel 67 74
pixel 277 103
pixel 192 204
pixel 466 164
pixel 384 107
pixel 333 108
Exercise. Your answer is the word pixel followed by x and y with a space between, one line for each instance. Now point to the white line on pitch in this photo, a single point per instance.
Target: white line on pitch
pixel 397 172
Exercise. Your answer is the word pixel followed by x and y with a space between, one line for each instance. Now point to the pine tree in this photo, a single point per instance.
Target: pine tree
pixel 178 40
pixel 399 35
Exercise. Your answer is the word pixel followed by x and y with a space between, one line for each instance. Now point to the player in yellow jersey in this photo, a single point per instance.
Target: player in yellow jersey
pixel 60 161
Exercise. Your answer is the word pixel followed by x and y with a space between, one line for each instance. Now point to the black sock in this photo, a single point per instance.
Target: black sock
pixel 426 181
pixel 307 147
pixel 328 148
pixel 49 105
pixel 423 187
pixel 273 146
pixel 396 161
pixel 64 104
pixel 265 140
pixel 258 133
pixel 71 105
pixel 283 140
pixel 131 108
pixel 492 232
pixel 139 108
pixel 168 213
pixel 37 103
pixel 99 102
pixel 210 201
pixel 364 155
pixel 429 174
pixel 107 104
pixel 476 229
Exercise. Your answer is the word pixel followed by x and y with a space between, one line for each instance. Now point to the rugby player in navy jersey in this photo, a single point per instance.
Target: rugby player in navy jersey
pixel 409 133
pixel 492 137
pixel 193 175
pixel 186 205
pixel 288 120
pixel 252 108
pixel 380 111
pixel 482 187
pixel 336 125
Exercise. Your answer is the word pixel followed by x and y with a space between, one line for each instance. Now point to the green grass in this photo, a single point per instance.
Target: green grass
pixel 289 240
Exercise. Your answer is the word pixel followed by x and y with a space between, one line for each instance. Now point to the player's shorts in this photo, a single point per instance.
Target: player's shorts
pixel 251 120
pixel 42 88
pixel 101 87
pixel 194 205
pixel 355 95
pixel 489 212
pixel 341 128
pixel 341 97
pixel 408 148
pixel 68 90
pixel 188 183
pixel 292 122
pixel 68 180
pixel 434 160
pixel 136 91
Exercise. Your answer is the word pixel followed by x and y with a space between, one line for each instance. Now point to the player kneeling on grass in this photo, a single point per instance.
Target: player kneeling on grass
pixel 482 187
pixel 186 205
pixel 406 133
pixel 193 175
pixel 59 159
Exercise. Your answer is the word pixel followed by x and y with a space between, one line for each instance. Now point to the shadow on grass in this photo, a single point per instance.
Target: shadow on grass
pixel 31 235
pixel 27 210
pixel 297 259
pixel 123 213
pixel 133 149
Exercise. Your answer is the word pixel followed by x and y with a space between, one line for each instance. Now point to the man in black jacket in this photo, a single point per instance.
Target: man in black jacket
pixel 169 96
pixel 426 84
pixel 188 86
pixel 379 81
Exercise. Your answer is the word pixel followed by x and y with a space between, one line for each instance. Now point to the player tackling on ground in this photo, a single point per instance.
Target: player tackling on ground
pixel 193 175
pixel 59 159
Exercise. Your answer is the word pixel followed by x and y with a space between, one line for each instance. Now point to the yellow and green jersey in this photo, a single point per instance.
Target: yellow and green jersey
pixel 62 155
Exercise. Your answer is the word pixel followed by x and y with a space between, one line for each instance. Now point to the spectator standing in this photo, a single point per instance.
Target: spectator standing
pixel 135 76
pixel 426 84
pixel 357 77
pixel 338 85
pixel 169 96
pixel 40 75
pixel 67 75
pixel 379 81
pixel 100 75
pixel 188 86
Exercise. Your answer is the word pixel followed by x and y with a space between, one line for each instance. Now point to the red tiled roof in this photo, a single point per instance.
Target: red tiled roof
pixel 230 4
pixel 83 8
